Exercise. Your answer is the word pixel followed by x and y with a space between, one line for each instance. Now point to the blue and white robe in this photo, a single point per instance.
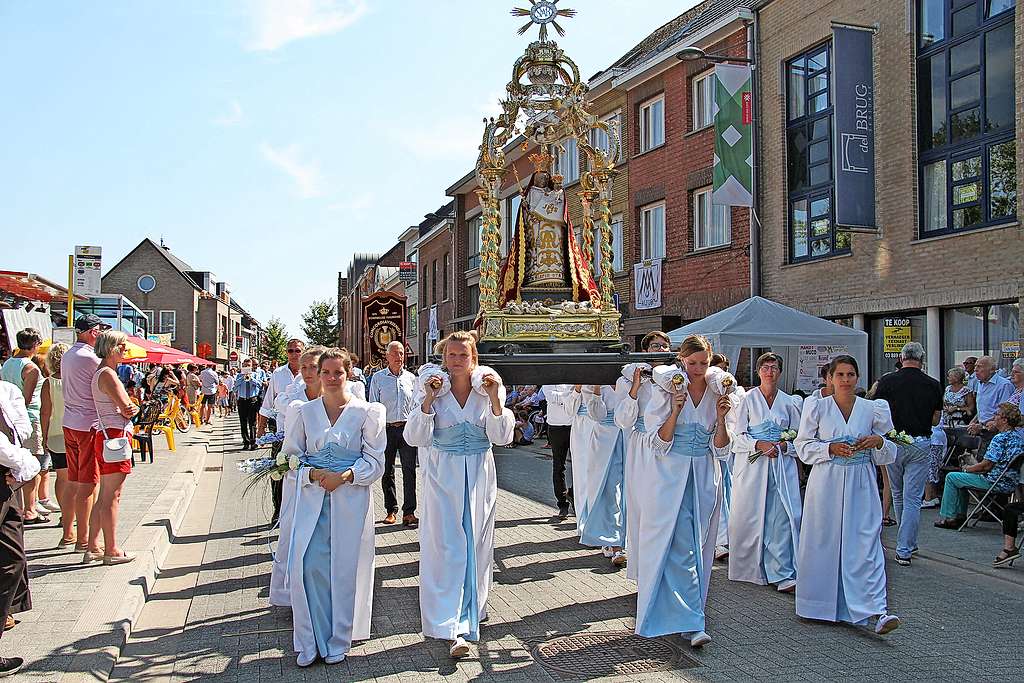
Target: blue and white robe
pixel 764 522
pixel 604 518
pixel 457 509
pixel 840 565
pixel 330 554
pixel 679 516
pixel 629 416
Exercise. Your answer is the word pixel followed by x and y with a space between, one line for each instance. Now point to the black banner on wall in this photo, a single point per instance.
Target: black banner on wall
pixel 853 128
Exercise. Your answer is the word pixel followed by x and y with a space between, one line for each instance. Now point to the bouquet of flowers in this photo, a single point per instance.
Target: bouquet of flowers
pixel 787 435
pixel 259 469
pixel 901 437
pixel 269 439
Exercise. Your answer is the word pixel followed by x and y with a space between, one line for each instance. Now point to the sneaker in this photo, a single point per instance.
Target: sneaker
pixel 334 659
pixel 787 586
pixel 10 665
pixel 887 623
pixel 47 506
pixel 721 552
pixel 607 551
pixel 699 639
pixel 903 561
pixel 305 659
pixel 459 648
pixel 929 504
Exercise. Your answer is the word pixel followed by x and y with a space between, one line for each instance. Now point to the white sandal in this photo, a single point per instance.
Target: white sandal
pixel 459 648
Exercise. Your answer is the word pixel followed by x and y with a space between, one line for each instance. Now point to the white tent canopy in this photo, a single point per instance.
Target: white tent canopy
pixel 762 323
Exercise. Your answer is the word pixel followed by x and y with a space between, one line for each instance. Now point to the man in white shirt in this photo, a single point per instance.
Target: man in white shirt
pixel 279 381
pixel 208 381
pixel 393 387
pixel 559 423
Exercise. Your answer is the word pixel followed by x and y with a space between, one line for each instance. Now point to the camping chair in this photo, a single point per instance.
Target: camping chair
pixel 987 501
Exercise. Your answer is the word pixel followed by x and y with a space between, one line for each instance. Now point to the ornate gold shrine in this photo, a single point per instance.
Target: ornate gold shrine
pixel 546 103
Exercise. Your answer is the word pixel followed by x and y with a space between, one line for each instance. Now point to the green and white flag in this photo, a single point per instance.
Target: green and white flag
pixel 734 130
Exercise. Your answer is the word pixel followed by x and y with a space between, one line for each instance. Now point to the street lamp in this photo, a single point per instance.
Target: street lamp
pixel 693 53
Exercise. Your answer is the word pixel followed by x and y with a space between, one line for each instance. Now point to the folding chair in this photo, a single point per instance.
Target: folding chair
pixel 987 501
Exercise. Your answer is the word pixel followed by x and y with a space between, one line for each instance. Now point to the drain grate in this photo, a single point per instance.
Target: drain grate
pixel 609 653
pixel 213 469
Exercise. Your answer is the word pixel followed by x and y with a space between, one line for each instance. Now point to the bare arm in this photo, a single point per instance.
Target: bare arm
pixel 111 386
pixel 45 411
pixel 30 378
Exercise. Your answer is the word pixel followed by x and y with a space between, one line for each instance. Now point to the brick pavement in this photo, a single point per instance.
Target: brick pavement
pixel 958 625
pixel 79 612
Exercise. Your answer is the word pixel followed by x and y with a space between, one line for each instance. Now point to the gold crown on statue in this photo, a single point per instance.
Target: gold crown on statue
pixel 541 161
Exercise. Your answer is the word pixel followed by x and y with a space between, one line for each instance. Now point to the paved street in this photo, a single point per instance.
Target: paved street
pixel 207 616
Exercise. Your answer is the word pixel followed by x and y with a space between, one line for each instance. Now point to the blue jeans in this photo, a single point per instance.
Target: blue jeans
pixel 907 476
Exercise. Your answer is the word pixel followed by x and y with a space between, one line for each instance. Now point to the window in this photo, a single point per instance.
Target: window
pixel 474 228
pixel 444 278
pixel 703 99
pixel 965 83
pixel 711 223
pixel 223 328
pixel 168 323
pixel 433 285
pixel 473 291
pixel 812 233
pixel 567 161
pixel 652 124
pixel 150 319
pixel 980 331
pixel 616 248
pixel 146 284
pixel 599 139
pixel 652 231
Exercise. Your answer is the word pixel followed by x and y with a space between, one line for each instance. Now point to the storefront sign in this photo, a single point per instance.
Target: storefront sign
pixel 895 335
pixel 1010 349
pixel 854 128
pixel 647 284
pixel 384 322
pixel 811 360
pixel 87 270
pixel 407 272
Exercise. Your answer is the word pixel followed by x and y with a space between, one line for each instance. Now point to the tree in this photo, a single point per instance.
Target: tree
pixel 318 323
pixel 276 341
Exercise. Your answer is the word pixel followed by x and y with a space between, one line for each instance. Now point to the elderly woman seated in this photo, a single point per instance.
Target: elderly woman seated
pixel 1005 447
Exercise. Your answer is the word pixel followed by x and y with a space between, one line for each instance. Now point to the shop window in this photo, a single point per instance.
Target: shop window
pixel 992 330
pixel 965 79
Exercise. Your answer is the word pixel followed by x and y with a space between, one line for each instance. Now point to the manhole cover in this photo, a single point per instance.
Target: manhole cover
pixel 609 653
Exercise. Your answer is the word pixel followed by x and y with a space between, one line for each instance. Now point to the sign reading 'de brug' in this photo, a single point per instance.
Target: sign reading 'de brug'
pixel 853 134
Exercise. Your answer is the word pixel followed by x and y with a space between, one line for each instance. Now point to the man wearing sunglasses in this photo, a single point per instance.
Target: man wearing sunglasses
pixel 279 381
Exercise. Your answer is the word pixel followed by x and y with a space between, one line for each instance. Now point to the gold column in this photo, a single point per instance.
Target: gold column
pixel 587 197
pixel 601 220
pixel 490 237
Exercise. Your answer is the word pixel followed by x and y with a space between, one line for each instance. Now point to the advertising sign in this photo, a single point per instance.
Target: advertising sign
pixel 87 270
pixel 854 128
pixel 383 322
pixel 407 272
pixel 811 360
pixel 895 335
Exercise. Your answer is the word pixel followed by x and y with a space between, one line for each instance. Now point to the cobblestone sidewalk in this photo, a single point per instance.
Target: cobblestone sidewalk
pixel 958 625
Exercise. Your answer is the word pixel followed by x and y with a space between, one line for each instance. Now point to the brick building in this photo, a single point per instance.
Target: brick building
pixel 188 304
pixel 352 288
pixel 436 278
pixel 704 249
pixel 946 258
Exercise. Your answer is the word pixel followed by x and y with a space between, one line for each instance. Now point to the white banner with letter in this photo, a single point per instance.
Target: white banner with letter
pixel 647 284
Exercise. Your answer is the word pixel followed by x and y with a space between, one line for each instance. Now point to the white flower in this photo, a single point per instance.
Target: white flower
pixel 293 462
pixel 276 476
pixel 282 459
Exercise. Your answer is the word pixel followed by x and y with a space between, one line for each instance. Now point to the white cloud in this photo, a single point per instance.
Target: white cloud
pixel 359 203
pixel 232 118
pixel 306 174
pixel 279 22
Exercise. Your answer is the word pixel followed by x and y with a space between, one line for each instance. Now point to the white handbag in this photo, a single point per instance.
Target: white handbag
pixel 116 450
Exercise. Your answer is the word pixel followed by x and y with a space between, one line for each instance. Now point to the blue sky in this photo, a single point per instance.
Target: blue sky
pixel 264 140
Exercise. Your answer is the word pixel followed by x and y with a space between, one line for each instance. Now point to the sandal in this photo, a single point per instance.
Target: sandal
pixel 1006 557
pixel 888 521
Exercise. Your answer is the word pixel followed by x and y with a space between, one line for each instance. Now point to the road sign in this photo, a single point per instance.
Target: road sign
pixel 233 356
pixel 87 270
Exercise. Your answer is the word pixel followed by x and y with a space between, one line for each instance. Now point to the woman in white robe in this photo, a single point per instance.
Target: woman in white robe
pixel 303 389
pixel 764 523
pixel 682 497
pixel 604 523
pixel 840 564
pixel 454 432
pixel 578 403
pixel 340 441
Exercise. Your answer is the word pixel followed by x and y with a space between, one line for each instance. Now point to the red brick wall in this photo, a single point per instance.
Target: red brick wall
pixel 694 284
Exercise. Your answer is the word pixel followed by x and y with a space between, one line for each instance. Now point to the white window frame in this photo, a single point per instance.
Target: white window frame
pixel 599 139
pixel 703 117
pixel 150 325
pixel 174 324
pixel 648 138
pixel 652 236
pixel 703 217
pixel 567 160
pixel 474 230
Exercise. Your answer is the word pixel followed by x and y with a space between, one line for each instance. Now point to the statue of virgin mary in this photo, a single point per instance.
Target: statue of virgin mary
pixel 543 257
